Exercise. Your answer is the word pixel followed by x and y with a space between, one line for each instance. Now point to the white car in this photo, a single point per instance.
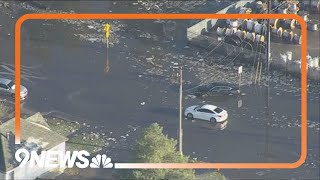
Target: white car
pixel 7 87
pixel 206 112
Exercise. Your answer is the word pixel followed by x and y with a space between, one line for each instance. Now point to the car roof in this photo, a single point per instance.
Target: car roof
pixel 209 106
pixel 5 81
pixel 221 84
pixel 215 84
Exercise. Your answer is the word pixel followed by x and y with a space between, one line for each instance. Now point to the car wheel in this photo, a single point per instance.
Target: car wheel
pixel 189 116
pixel 213 120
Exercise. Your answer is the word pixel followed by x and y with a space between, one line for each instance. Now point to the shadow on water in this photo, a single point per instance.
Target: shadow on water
pixel 207 126
pixel 187 88
pixel 218 98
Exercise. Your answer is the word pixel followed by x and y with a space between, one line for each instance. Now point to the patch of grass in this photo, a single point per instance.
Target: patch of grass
pixel 72 171
pixel 63 127
pixel 91 142
pixel 3 110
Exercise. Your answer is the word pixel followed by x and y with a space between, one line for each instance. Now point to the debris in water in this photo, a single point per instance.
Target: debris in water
pixel 261 173
pixel 190 96
pixel 90 27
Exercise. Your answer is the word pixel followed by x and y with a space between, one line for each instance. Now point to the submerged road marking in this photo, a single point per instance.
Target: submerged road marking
pixel 25 77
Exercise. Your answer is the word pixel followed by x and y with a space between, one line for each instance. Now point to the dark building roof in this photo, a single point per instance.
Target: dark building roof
pixel 35 133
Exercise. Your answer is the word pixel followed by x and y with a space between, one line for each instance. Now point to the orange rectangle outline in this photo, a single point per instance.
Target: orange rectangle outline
pixel 296 164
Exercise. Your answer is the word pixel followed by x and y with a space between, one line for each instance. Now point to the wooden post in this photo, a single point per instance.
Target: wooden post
pixel 260 73
pixel 257 72
pixel 107 66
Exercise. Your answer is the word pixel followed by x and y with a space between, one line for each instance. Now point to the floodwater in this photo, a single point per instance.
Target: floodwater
pixel 68 76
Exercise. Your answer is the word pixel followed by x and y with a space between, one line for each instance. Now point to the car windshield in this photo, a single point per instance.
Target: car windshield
pixel 11 83
pixel 218 110
pixel 203 88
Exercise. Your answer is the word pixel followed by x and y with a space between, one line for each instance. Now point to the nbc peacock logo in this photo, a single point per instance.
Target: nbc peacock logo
pixel 101 161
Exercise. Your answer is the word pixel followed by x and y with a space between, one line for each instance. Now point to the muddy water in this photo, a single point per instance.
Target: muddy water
pixel 136 92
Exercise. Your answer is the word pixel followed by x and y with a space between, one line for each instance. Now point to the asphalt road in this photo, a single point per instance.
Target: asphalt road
pixel 66 75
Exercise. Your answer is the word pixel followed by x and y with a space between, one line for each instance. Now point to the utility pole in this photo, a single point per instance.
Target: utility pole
pixel 180 114
pixel 239 74
pixel 268 81
pixel 268 47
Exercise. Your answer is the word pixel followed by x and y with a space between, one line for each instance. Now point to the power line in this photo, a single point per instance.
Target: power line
pixel 217 73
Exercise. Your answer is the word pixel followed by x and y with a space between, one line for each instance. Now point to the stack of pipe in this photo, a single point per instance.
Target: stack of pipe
pixel 261 7
pixel 274 31
pixel 251 36
pixel 221 31
pixel 251 24
pixel 277 32
pixel 275 3
pixel 283 10
pixel 229 31
pixel 305 3
pixel 290 23
pixel 288 35
pixel 315 5
pixel 274 23
pixel 313 26
pixel 244 24
pixel 241 34
pixel 280 32
pixel 258 28
pixel 293 6
pixel 304 15
pixel 259 4
pixel 259 38
pixel 297 39
pixel 233 23
pixel 245 10
pixel 264 29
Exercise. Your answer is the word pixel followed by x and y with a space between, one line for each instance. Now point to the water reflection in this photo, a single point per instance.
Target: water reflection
pixel 212 126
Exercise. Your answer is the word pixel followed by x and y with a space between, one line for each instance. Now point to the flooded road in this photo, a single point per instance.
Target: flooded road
pixel 66 74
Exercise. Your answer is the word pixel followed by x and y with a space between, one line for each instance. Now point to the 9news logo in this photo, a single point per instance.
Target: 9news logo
pixel 55 159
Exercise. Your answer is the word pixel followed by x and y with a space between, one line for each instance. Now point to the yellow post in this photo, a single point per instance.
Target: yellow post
pixel 107 34
pixel 106 29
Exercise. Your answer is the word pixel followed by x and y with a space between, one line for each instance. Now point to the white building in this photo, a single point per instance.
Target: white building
pixel 35 135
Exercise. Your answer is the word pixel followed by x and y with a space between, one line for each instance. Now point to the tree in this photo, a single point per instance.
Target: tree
pixel 155 147
pixel 211 175
pixel 3 110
